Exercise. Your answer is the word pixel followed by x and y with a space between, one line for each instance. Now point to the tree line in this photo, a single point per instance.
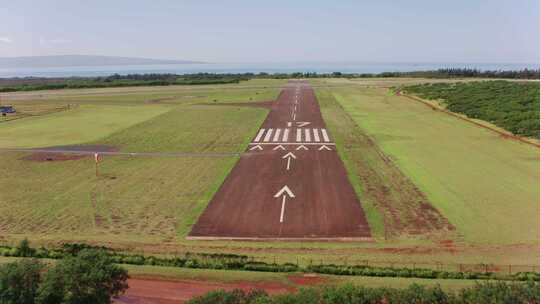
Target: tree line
pixel 509 105
pixel 88 276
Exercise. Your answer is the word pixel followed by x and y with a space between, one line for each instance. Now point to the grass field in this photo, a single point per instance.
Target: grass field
pixel 396 163
pixel 477 179
pixel 147 199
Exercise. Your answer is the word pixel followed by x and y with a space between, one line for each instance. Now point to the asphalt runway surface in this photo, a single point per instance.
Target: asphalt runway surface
pixel 289 185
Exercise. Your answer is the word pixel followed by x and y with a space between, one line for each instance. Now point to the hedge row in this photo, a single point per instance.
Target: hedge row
pixel 486 293
pixel 242 262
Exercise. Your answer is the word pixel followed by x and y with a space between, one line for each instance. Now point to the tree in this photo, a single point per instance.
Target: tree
pixel 19 281
pixel 25 250
pixel 91 277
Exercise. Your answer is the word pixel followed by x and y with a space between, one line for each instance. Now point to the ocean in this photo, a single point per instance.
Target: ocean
pixel 89 71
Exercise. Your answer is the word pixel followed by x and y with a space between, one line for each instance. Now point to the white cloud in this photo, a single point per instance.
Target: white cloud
pixel 5 40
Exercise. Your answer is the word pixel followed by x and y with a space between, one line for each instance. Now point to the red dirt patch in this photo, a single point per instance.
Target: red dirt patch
pixel 145 291
pixel 65 153
pixel 307 280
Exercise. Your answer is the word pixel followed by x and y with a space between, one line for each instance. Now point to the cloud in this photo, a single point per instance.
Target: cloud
pixel 5 40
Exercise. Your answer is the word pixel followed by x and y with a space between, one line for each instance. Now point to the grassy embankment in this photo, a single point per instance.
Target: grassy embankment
pixel 477 179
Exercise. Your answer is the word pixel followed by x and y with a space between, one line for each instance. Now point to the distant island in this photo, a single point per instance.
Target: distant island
pixel 81 60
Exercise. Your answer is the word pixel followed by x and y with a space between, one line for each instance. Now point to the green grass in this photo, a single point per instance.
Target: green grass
pixel 134 199
pixel 75 126
pixel 485 185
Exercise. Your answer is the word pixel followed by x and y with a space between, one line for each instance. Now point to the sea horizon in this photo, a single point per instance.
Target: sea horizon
pixel 271 68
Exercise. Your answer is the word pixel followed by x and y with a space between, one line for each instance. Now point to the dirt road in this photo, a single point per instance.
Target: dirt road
pixel 291 183
pixel 154 291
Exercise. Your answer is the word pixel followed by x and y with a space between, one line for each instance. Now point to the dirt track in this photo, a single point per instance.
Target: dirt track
pixel 152 291
pixel 271 194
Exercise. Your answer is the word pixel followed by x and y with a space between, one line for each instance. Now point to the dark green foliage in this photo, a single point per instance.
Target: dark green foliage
pixel 242 262
pixel 512 106
pixel 25 250
pixel 19 281
pixel 236 296
pixel 116 80
pixel 89 277
pixel 492 293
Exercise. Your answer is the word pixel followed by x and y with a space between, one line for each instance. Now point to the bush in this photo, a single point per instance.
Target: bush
pixel 89 277
pixel 19 281
pixel 492 293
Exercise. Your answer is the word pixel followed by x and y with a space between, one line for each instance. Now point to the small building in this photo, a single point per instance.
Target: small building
pixel 6 110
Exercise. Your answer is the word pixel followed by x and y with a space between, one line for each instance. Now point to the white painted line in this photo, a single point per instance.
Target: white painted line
pixel 276 135
pixel 289 156
pixel 284 191
pixel 289 124
pixel 283 200
pixel 302 124
pixel 293 144
pixel 298 135
pixel 256 147
pixel 294 116
pixel 324 147
pixel 268 135
pixel 325 135
pixel 285 135
pixel 316 135
pixel 307 135
pixel 259 135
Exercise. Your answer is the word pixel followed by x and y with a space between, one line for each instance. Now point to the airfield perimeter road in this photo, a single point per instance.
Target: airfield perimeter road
pixel 290 184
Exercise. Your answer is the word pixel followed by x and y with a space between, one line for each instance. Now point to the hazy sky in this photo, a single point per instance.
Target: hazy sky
pixel 276 30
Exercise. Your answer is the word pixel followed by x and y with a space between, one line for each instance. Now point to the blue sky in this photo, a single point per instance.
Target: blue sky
pixel 276 31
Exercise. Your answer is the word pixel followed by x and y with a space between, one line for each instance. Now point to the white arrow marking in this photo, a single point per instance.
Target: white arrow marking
pixel 289 156
pixel 301 124
pixel 302 147
pixel 324 147
pixel 279 147
pixel 283 200
pixel 284 191
pixel 256 147
pixel 294 116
